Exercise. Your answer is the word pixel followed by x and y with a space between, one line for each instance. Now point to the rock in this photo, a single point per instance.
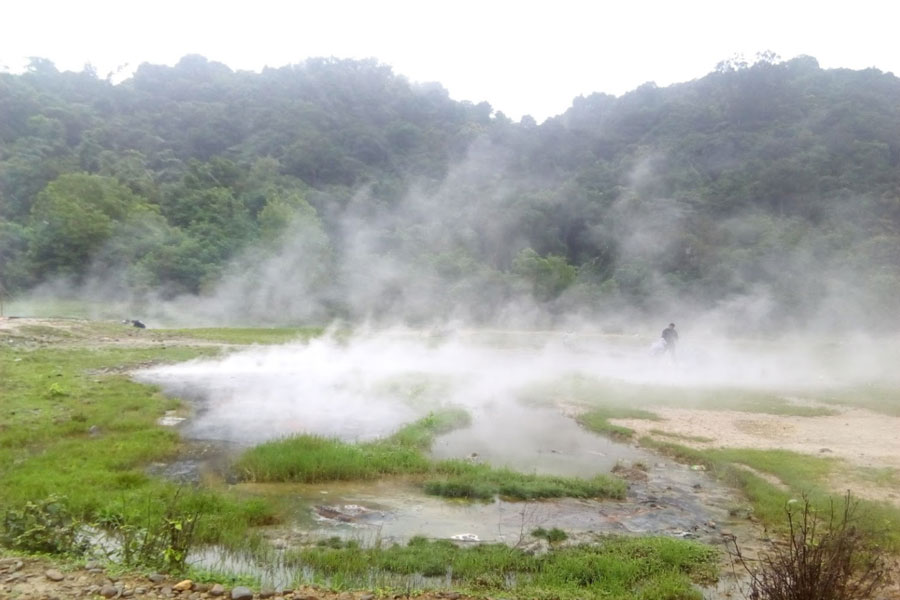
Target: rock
pixel 217 590
pixel 10 565
pixel 241 593
pixel 266 592
pixel 108 591
pixel 127 593
pixel 156 578
pixel 367 597
pixel 183 586
pixel 201 587
pixel 167 591
pixel 54 575
pixel 92 564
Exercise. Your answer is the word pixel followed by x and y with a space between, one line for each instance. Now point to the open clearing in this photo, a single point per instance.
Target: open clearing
pixel 863 446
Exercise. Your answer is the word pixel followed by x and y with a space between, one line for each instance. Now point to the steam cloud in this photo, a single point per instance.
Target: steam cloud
pixel 442 254
pixel 366 386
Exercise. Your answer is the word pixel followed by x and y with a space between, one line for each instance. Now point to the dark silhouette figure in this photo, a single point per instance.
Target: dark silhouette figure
pixel 670 336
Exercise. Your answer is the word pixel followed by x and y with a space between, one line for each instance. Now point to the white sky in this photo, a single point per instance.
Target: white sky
pixel 526 57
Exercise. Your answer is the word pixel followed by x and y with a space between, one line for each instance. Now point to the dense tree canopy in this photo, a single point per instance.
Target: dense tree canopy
pixel 770 189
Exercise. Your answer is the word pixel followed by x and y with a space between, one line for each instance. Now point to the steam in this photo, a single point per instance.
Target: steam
pixel 366 386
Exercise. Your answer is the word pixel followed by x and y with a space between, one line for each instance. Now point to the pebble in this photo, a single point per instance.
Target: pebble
pixel 156 578
pixel 266 592
pixel 217 590
pixel 108 591
pixel 54 575
pixel 241 593
pixel 183 586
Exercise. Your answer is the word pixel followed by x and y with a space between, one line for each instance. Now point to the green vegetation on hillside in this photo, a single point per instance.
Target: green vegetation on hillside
pixel 303 191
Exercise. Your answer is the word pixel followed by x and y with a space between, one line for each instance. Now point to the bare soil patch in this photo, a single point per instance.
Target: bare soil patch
pixel 860 437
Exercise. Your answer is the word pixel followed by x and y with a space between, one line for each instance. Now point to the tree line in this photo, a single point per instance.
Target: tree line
pixel 768 190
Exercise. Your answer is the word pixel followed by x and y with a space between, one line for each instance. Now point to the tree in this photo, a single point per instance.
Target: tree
pixel 72 218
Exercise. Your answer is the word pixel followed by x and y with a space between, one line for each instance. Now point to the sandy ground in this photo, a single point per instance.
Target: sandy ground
pixel 860 437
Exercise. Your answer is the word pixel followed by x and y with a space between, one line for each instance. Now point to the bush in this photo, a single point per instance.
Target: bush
pixel 45 526
pixel 158 539
pixel 826 557
pixel 554 536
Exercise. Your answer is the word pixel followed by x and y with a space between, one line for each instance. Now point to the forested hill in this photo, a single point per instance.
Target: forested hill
pixel 768 194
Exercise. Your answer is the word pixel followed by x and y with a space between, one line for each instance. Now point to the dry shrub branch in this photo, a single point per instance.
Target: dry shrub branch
pixel 825 557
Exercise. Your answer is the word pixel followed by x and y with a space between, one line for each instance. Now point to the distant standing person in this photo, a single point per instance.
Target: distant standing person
pixel 670 336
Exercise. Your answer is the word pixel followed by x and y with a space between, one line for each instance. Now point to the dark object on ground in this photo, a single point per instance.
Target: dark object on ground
pixel 826 557
pixel 135 323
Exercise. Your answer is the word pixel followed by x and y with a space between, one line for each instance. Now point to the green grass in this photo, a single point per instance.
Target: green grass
pixel 648 568
pixel 883 477
pixel 462 479
pixel 597 419
pixel 877 398
pixel 311 459
pixel 244 336
pixel 614 395
pixel 72 425
pixel 800 474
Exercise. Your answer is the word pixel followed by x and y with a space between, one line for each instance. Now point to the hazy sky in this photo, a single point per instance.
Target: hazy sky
pixel 523 57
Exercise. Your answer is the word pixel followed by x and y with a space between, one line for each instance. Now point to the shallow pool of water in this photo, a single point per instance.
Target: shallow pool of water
pixel 537 440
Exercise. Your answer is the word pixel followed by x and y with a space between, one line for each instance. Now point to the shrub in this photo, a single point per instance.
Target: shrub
pixel 43 526
pixel 825 557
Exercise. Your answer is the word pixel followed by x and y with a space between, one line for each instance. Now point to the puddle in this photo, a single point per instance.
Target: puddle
pixel 672 501
pixel 535 440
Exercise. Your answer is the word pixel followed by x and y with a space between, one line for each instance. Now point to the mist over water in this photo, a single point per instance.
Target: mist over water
pixel 368 385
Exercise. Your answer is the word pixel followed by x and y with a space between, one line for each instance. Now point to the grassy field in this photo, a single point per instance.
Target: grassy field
pixel 75 431
pixel 74 428
pixel 646 568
